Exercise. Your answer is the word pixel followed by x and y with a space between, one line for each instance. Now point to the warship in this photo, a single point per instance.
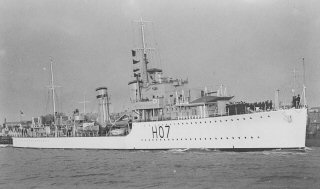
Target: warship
pixel 165 114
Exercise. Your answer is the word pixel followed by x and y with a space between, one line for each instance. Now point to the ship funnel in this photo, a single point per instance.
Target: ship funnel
pixel 103 100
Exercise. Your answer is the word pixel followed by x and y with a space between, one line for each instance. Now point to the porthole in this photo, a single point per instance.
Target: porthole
pixel 231 119
pixel 221 137
pixel 245 137
pixel 268 115
pixel 226 120
pixel 258 137
pixel 251 137
pixel 205 122
pixel 205 138
pixel 195 139
pixel 244 118
pixel 260 116
pixel 210 121
pixel 210 138
pixel 238 137
pixel 216 138
pixel 227 138
pixel 250 117
pixel 215 121
pixel 232 137
pixel 220 120
pixel 200 138
pixel 181 139
pixel 238 119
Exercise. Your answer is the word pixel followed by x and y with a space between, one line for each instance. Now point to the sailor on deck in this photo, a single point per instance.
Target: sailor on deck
pixel 297 101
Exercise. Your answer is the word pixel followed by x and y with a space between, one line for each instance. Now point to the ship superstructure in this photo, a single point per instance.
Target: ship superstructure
pixel 165 114
pixel 156 97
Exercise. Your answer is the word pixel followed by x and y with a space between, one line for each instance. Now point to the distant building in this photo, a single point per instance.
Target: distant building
pixel 17 124
pixel 36 122
pixel 313 126
pixel 314 110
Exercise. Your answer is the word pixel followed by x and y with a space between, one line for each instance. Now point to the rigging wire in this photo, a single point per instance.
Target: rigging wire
pixel 157 52
pixel 133 44
pixel 59 101
pixel 47 97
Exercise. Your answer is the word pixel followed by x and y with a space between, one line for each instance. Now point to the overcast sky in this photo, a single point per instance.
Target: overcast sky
pixel 249 46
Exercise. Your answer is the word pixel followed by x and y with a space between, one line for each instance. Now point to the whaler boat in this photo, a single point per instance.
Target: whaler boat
pixel 165 114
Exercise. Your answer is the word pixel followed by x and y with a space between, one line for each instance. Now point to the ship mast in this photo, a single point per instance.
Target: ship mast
pixel 294 81
pixel 84 104
pixel 304 84
pixel 142 36
pixel 52 87
pixel 144 49
pixel 145 61
pixel 141 77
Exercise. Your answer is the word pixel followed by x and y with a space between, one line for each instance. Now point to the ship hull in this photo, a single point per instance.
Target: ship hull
pixel 263 130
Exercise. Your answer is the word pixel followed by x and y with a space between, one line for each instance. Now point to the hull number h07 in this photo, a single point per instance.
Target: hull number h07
pixel 160 131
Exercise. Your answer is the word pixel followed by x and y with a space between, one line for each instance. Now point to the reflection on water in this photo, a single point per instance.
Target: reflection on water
pixel 56 168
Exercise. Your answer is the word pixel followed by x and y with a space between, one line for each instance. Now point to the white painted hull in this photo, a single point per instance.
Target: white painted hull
pixel 264 130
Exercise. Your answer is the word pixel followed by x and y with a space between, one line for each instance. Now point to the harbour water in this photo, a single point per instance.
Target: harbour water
pixel 57 168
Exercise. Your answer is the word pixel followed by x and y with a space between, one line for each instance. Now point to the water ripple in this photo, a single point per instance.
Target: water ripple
pixel 182 168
